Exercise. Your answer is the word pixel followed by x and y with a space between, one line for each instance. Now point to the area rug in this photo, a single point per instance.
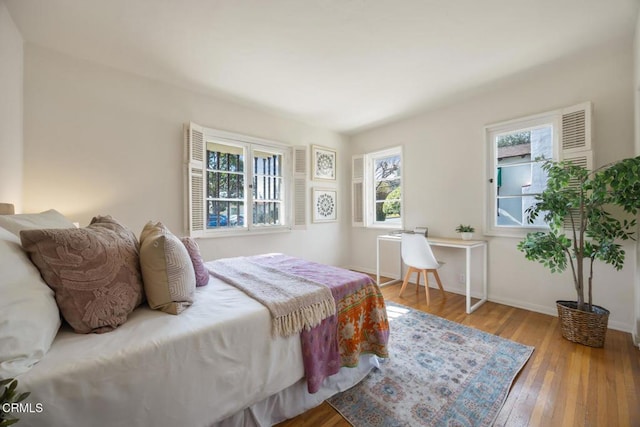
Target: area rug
pixel 439 373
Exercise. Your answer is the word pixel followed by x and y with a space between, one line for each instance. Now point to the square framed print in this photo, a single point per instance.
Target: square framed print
pixel 324 205
pixel 323 162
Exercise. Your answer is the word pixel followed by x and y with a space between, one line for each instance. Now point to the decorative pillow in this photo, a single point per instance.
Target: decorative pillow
pixel 202 274
pixel 94 272
pixel 167 271
pixel 47 219
pixel 29 317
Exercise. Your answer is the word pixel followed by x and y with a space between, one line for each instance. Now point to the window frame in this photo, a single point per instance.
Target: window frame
pixel 369 181
pixel 249 145
pixel 571 142
pixel 208 170
pixel 553 118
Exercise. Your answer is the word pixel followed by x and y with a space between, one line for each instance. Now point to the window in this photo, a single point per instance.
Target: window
pixel 225 182
pixel 377 189
pixel 237 183
pixel 516 149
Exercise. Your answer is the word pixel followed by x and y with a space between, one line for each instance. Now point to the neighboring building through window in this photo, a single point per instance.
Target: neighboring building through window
pixel 520 176
pixel 377 189
pixel 516 151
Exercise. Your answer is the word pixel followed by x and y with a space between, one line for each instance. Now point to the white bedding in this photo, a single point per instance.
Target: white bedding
pixel 193 369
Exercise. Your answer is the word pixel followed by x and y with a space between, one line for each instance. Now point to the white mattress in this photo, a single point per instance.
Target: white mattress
pixel 212 360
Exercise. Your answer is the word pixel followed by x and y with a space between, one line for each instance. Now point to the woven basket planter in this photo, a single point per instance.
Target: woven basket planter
pixel 588 328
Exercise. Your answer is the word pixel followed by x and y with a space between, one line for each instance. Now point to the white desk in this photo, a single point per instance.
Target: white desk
pixel 467 245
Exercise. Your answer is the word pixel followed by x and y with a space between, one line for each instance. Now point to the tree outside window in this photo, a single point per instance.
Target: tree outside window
pixel 387 185
pixel 227 174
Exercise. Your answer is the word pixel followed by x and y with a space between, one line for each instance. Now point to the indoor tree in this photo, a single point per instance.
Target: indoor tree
pixel 588 213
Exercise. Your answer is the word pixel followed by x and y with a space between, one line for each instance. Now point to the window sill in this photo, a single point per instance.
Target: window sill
pixel 243 232
pixel 515 232
pixel 385 227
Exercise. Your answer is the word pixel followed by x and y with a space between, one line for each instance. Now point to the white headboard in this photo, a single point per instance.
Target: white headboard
pixel 6 209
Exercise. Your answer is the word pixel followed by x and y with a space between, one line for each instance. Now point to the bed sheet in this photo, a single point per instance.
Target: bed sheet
pixel 194 369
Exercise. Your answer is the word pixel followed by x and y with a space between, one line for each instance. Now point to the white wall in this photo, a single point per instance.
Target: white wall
pixel 101 141
pixel 11 111
pixel 636 92
pixel 444 174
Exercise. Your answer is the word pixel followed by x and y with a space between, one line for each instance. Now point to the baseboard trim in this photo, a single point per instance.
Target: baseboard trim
pixel 395 276
pixel 550 310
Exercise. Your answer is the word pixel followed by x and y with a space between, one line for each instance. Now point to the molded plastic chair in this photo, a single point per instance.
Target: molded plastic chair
pixel 417 255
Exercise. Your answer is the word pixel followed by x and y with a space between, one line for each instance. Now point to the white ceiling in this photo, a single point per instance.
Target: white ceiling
pixel 341 64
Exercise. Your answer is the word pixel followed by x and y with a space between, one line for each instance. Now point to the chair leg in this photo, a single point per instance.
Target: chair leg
pixel 426 285
pixel 406 280
pixel 417 282
pixel 435 273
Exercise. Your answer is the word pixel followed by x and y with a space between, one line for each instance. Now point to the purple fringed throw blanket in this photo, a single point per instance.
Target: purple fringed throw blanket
pixel 359 326
pixel 295 303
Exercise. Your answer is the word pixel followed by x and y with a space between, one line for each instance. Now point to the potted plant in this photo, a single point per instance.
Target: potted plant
pixel 9 396
pixel 588 213
pixel 466 231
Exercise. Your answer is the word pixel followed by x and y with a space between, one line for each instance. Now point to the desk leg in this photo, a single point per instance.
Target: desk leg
pixel 401 264
pixel 389 282
pixel 484 280
pixel 378 262
pixel 471 309
pixel 468 278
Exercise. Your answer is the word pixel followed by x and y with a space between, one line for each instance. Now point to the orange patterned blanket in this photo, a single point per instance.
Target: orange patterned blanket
pixel 360 325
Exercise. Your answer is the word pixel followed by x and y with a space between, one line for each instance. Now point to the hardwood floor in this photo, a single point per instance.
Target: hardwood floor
pixel 563 384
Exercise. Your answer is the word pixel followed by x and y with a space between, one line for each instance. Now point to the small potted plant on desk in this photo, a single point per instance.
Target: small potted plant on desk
pixel 578 207
pixel 466 231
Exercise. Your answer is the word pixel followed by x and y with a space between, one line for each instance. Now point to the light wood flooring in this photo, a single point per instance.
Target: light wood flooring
pixel 563 384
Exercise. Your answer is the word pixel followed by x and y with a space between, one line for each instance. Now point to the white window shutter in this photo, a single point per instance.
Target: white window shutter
pixel 575 132
pixel 300 187
pixel 196 174
pixel 575 142
pixel 575 135
pixel 357 191
pixel 581 158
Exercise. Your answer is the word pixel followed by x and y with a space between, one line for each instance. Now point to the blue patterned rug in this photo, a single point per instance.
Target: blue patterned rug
pixel 439 373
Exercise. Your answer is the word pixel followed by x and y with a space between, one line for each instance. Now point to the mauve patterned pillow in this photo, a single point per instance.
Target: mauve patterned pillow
pixel 202 274
pixel 94 272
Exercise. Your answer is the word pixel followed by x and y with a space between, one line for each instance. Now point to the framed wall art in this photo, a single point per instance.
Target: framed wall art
pixel 323 162
pixel 324 205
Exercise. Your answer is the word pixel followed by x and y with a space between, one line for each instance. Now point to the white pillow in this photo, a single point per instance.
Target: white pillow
pixel 47 219
pixel 29 317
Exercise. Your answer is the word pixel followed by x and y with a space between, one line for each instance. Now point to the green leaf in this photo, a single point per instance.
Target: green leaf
pixel 23 396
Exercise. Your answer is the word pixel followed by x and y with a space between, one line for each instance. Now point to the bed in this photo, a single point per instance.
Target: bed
pixel 217 363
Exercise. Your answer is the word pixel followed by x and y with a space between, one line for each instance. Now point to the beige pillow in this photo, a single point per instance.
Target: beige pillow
pixel 167 270
pixel 47 219
pixel 94 272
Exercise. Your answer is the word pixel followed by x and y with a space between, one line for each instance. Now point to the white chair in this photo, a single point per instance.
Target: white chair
pixel 417 255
